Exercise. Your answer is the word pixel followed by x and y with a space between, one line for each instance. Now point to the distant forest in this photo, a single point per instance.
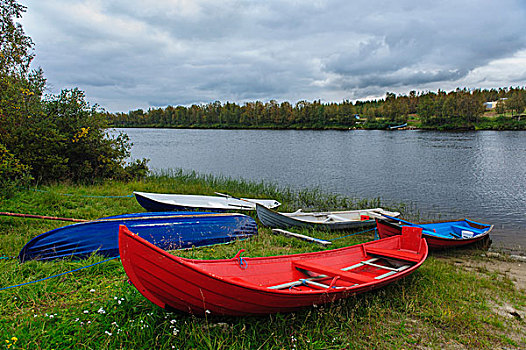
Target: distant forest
pixel 459 109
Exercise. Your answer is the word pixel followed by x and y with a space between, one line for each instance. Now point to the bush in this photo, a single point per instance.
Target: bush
pixel 12 172
pixel 57 138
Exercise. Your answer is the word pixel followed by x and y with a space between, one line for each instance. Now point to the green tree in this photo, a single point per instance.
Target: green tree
pixel 61 137
pixel 516 103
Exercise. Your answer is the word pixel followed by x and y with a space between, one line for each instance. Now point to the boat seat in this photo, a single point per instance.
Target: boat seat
pixel 458 230
pixel 395 254
pixel 329 271
pixel 312 280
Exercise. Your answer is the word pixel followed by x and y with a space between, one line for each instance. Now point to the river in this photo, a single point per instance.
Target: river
pixel 447 175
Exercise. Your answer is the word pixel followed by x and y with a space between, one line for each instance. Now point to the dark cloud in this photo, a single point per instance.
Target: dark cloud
pixel 136 54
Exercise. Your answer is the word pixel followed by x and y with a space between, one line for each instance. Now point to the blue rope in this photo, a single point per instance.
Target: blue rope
pixel 352 234
pixel 81 195
pixel 243 263
pixel 6 257
pixel 60 274
pixel 376 236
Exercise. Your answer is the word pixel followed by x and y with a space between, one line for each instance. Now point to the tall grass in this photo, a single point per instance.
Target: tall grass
pixel 439 306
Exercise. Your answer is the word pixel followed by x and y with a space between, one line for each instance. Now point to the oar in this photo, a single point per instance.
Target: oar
pixel 236 205
pixel 416 225
pixel 404 221
pixel 41 217
pixel 407 222
pixel 302 237
pixel 229 196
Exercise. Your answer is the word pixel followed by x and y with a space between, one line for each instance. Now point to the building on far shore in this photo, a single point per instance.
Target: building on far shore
pixel 492 104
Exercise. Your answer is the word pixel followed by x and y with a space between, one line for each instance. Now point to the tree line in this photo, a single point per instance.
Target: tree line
pixel 461 108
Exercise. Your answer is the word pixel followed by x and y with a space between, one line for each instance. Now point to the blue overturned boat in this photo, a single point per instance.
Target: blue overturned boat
pixel 166 230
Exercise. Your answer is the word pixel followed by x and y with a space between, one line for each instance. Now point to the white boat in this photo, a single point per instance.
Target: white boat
pixel 330 220
pixel 169 202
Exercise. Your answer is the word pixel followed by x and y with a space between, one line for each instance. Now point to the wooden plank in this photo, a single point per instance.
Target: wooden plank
pixel 302 237
pixel 295 283
pixel 366 262
pixel 381 266
pixel 344 275
pixel 359 264
pixel 400 269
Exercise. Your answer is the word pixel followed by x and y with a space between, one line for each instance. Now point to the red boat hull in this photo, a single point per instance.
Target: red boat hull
pixel 244 286
pixel 388 229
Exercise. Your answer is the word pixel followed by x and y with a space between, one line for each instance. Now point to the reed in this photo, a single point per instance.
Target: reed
pixel 441 305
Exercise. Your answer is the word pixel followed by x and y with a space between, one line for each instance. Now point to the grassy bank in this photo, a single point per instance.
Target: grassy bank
pixel 440 305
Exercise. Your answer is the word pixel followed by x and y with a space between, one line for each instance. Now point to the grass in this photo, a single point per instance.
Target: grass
pixel 441 305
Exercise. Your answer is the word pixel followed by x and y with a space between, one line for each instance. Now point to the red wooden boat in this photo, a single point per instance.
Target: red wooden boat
pixel 439 235
pixel 263 285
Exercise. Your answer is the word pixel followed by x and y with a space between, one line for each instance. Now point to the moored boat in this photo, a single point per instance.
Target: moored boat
pixel 398 127
pixel 168 230
pixel 167 202
pixel 330 221
pixel 263 285
pixel 439 235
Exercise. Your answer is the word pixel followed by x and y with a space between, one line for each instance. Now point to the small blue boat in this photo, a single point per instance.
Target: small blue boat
pixel 439 235
pixel 167 230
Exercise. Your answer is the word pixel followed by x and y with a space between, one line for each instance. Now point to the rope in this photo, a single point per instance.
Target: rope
pixel 352 234
pixel 60 274
pixel 7 257
pixel 243 263
pixel 81 195
pixel 41 217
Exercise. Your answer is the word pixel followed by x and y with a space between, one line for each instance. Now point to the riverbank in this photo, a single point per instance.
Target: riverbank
pixel 486 123
pixel 455 300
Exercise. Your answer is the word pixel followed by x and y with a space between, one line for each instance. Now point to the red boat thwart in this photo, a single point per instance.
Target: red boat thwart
pixel 263 285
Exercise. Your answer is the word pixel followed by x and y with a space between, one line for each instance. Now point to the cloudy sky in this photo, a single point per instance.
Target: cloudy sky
pixel 129 54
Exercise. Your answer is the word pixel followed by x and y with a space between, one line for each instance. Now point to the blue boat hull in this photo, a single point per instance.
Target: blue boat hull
pixel 167 230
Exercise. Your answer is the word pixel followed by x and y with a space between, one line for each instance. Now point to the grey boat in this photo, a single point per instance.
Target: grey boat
pixel 329 221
